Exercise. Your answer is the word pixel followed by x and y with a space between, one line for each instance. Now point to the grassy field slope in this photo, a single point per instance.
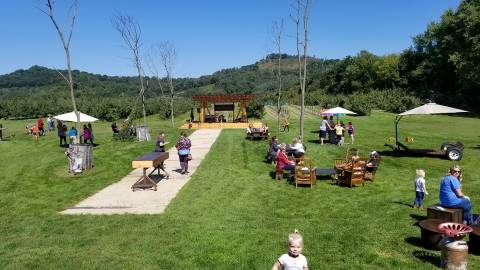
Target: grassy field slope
pixel 232 214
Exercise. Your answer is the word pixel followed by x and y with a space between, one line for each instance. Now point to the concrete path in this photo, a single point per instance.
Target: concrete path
pixel 119 198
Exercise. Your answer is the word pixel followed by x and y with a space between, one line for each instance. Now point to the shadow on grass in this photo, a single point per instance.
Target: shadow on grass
pixel 314 141
pixel 418 218
pixel 415 241
pixel 403 203
pixel 315 131
pixel 429 257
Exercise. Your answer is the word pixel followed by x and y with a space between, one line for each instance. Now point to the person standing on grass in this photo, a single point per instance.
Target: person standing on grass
pixel 183 146
pixel 72 134
pixel 332 137
pixel 351 132
pixel 35 132
pixel 285 124
pixel 294 259
pixel 92 137
pixel 40 126
pixel 420 189
pixel 451 194
pixel 324 126
pixel 87 135
pixel 50 123
pixel 338 133
pixel 61 133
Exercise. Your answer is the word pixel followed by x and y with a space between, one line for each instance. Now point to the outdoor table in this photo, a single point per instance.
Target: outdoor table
pixel 256 133
pixel 431 235
pixel 331 172
pixel 153 159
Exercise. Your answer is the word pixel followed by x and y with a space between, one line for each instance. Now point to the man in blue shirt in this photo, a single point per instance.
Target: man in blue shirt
pixel 451 194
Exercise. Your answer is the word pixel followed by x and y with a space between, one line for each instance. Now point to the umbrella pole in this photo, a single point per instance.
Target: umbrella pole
pixel 397 119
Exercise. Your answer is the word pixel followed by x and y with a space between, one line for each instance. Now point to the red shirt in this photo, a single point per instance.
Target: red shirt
pixel 282 160
pixel 40 122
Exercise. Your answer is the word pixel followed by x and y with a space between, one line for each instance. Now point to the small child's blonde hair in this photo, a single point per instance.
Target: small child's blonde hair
pixel 420 173
pixel 295 238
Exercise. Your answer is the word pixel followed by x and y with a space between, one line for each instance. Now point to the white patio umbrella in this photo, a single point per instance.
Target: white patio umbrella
pixel 429 108
pixel 337 111
pixel 71 117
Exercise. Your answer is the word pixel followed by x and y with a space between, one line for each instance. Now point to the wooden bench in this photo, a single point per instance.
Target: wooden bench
pixel 443 213
pixel 149 160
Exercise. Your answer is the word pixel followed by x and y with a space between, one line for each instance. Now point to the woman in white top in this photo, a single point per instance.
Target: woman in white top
pixel 297 148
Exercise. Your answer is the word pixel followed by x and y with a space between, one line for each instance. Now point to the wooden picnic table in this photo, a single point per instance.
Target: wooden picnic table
pixel 257 133
pixel 149 160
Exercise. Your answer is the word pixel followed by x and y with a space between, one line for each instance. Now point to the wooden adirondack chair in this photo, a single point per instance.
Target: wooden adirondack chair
pixel 304 173
pixel 354 174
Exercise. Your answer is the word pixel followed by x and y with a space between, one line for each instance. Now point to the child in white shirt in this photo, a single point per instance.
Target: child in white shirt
pixel 420 189
pixel 293 260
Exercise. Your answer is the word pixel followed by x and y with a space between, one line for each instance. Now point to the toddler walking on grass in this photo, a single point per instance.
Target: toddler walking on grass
pixel 420 189
pixel 293 259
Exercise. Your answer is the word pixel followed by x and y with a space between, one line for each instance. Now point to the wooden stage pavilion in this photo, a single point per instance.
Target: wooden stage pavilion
pixel 221 103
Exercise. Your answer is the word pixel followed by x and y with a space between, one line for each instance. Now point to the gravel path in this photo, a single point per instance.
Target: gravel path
pixel 118 198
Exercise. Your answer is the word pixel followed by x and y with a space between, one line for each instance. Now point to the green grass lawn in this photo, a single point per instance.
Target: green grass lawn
pixel 232 214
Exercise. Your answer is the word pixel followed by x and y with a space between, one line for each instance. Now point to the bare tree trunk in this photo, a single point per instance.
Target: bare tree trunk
pixel 277 32
pixel 167 57
pixel 302 5
pixel 130 31
pixel 66 46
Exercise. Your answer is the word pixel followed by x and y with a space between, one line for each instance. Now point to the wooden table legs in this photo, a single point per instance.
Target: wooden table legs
pixel 146 182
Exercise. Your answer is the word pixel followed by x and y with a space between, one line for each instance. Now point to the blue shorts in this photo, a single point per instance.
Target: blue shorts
pixel 323 134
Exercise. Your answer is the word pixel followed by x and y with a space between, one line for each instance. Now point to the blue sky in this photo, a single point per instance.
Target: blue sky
pixel 208 35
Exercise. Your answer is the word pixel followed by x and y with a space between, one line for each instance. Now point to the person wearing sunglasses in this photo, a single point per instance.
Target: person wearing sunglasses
pixel 451 194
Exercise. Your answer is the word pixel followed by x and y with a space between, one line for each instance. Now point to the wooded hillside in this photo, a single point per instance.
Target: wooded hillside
pixel 442 65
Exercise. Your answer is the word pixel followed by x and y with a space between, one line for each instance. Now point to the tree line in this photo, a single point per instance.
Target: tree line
pixel 442 65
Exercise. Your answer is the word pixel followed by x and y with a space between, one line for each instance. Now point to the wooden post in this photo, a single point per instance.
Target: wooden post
pixel 244 112
pixel 202 112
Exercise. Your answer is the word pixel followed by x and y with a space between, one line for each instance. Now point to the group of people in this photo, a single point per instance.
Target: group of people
pixel 182 145
pixel 63 131
pixel 335 131
pixel 280 152
pixel 263 130
pixel 450 195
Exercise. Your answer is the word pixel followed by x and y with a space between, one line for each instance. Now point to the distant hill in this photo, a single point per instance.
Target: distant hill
pixel 40 89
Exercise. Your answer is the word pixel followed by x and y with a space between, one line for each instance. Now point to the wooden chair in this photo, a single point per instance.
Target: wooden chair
pixel 304 173
pixel 351 152
pixel 371 170
pixel 354 174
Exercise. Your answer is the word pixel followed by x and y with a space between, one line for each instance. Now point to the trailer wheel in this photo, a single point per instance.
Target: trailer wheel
pixel 454 154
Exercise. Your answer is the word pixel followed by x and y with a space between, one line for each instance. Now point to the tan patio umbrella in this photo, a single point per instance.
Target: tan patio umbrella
pixel 429 108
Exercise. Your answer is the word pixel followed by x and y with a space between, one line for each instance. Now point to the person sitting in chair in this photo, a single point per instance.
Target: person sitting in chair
pixel 297 149
pixel 273 150
pixel 283 163
pixel 250 129
pixel 115 128
pixel 264 129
